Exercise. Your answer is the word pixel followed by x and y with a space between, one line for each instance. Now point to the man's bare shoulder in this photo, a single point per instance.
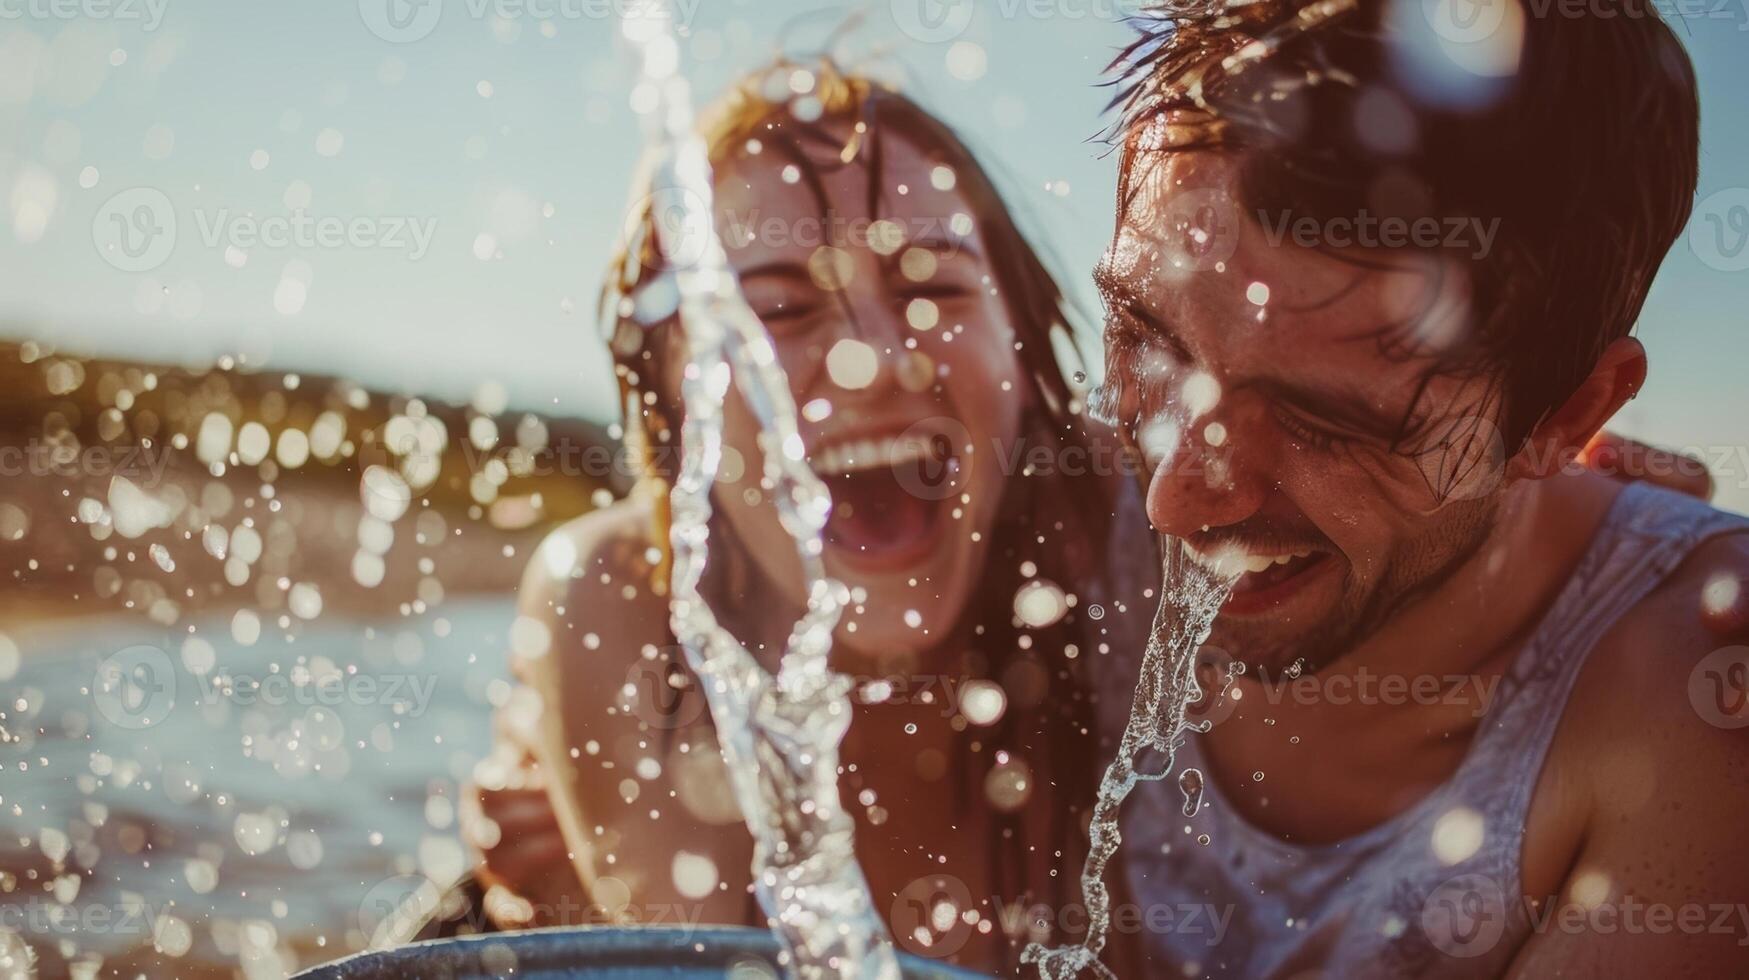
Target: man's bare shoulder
pixel 1658 701
pixel 1649 777
pixel 1654 647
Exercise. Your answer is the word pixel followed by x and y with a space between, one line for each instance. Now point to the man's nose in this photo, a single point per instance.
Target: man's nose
pixel 1205 478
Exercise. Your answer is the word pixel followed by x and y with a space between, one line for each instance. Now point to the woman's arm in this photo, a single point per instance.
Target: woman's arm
pixel 630 761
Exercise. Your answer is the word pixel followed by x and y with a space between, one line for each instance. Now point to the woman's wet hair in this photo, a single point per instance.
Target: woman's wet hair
pixel 844 120
pixel 1577 134
pixel 1048 525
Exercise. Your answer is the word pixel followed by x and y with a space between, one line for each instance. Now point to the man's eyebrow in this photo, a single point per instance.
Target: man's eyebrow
pixel 1120 293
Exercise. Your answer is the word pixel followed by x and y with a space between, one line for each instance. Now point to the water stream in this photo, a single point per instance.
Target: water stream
pixel 1166 687
pixel 779 733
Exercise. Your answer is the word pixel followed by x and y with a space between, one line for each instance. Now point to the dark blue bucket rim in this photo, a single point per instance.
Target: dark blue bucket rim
pixel 651 950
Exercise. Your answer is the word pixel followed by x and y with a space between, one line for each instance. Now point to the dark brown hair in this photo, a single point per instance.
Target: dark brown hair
pixel 1586 152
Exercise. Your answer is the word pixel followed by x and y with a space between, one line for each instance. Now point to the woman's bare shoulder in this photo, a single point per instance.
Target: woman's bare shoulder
pixel 590 584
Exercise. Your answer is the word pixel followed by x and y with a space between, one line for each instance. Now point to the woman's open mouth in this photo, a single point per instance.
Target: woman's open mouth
pixel 889 495
pixel 1264 580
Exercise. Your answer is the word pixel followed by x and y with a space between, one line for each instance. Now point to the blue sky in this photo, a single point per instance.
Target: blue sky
pixel 495 115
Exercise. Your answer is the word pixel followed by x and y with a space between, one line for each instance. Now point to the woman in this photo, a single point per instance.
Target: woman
pixel 971 519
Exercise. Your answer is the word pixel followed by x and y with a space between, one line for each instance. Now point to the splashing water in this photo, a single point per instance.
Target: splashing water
pixel 779 734
pixel 1167 686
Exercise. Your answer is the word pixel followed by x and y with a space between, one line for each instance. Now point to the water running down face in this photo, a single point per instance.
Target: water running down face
pixel 1284 440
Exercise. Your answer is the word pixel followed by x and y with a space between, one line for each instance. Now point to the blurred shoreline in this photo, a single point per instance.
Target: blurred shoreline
pixel 173 491
pixel 248 525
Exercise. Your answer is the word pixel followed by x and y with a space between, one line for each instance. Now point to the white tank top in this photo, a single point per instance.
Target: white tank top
pixel 1382 903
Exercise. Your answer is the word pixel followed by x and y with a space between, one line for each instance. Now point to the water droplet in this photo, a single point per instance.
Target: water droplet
pixel 1040 603
pixel 1190 782
pixel 982 702
pixel 852 364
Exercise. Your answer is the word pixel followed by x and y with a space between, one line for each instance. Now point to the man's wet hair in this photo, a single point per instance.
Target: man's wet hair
pixel 1579 134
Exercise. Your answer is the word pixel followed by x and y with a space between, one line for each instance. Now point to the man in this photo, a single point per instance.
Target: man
pixel 1369 299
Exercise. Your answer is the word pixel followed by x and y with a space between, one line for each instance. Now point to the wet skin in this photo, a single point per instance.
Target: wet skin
pixel 1412 567
pixel 587 743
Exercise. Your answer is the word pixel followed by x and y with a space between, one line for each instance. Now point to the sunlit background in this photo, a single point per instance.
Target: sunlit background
pixel 486 147
pixel 509 139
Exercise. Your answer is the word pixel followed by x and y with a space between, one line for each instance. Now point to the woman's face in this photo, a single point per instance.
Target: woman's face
pixel 900 355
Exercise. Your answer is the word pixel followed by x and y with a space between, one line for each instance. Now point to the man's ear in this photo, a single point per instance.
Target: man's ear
pixel 1561 436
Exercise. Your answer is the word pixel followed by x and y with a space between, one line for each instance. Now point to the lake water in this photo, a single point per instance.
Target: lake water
pixel 249 796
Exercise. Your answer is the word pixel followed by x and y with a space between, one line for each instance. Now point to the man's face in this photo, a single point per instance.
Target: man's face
pixel 1282 398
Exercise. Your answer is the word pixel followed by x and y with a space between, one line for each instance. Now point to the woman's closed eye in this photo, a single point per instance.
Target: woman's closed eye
pixel 785 311
pixel 786 308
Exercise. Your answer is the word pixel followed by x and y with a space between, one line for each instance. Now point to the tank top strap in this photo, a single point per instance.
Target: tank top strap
pixel 1646 535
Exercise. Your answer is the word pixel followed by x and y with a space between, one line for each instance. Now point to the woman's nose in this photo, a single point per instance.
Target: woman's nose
pixel 1204 478
pixel 867 346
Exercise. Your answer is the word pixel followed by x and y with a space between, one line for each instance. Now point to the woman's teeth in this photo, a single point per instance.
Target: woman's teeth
pixel 867 454
pixel 1235 561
